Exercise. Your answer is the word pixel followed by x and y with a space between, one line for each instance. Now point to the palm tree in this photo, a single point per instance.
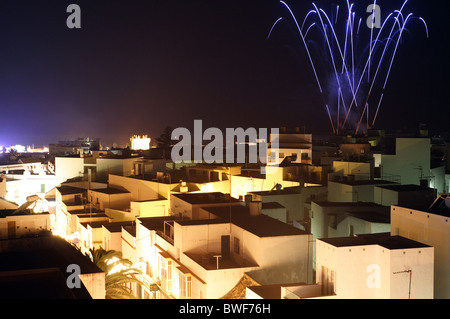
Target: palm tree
pixel 118 272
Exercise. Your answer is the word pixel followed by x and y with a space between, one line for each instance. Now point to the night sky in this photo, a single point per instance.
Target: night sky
pixel 135 67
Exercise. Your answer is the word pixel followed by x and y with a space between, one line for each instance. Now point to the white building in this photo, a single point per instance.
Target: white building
pixel 188 205
pixel 350 190
pixel 376 266
pixel 432 228
pixel 410 159
pixel 340 219
pixel 296 145
pixel 293 199
pixel 207 258
pixel 14 224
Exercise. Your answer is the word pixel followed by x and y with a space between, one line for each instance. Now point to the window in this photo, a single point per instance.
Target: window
pixel 163 273
pixel 328 280
pixel 185 283
pixel 148 269
pixel 236 246
pixel 305 156
pixel 169 275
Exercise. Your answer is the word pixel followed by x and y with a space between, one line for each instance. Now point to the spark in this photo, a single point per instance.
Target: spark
pixel 362 68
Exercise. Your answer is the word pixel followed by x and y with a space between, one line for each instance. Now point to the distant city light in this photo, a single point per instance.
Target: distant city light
pixel 140 142
pixel 23 149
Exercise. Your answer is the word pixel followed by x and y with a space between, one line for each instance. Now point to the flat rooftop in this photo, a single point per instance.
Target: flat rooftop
pixel 116 227
pixel 10 212
pixel 206 198
pixel 406 188
pixel 383 216
pixel 68 190
pixel 131 229
pixel 86 211
pixel 364 182
pixel 271 205
pixel 284 191
pixel 346 204
pixel 382 239
pixel 261 225
pixel 36 267
pixel 110 190
pixel 155 223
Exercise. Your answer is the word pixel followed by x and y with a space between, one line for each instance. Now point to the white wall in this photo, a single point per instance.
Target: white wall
pixel 141 190
pixel 68 167
pixel 361 170
pixel 430 229
pixel 25 225
pixel 353 272
pixel 412 159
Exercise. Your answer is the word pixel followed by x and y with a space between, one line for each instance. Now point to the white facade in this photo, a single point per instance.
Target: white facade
pixel 330 220
pixel 290 144
pixel 431 229
pixel 68 167
pixel 16 226
pixel 184 252
pixel 411 160
pixel 394 269
pixel 353 191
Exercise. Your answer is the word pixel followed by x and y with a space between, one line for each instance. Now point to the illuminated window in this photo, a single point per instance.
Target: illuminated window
pixel 185 282
pixel 169 275
pixel 148 269
pixel 163 273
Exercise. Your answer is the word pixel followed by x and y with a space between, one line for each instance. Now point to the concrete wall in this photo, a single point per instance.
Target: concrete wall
pixel 341 192
pixel 284 259
pixel 151 208
pixel 141 190
pixel 361 170
pixel 68 167
pixel 241 185
pixel 411 160
pixel 119 166
pixel 388 197
pixel 25 225
pixel 104 200
pixel 430 229
pixel 276 213
pixel 356 266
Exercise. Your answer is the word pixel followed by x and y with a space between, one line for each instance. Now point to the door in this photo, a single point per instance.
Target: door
pixel 225 245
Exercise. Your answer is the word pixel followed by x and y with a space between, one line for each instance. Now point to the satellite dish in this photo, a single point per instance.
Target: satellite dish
pixel 447 202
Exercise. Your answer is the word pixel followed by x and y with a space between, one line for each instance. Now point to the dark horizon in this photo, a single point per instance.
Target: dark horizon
pixel 136 67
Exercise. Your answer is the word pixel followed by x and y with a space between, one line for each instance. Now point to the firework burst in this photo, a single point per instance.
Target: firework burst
pixel 355 58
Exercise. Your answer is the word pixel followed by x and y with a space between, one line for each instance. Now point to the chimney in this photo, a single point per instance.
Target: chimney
pixel 255 208
pixel 248 199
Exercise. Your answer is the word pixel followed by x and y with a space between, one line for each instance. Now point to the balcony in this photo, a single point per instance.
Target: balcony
pixel 167 233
